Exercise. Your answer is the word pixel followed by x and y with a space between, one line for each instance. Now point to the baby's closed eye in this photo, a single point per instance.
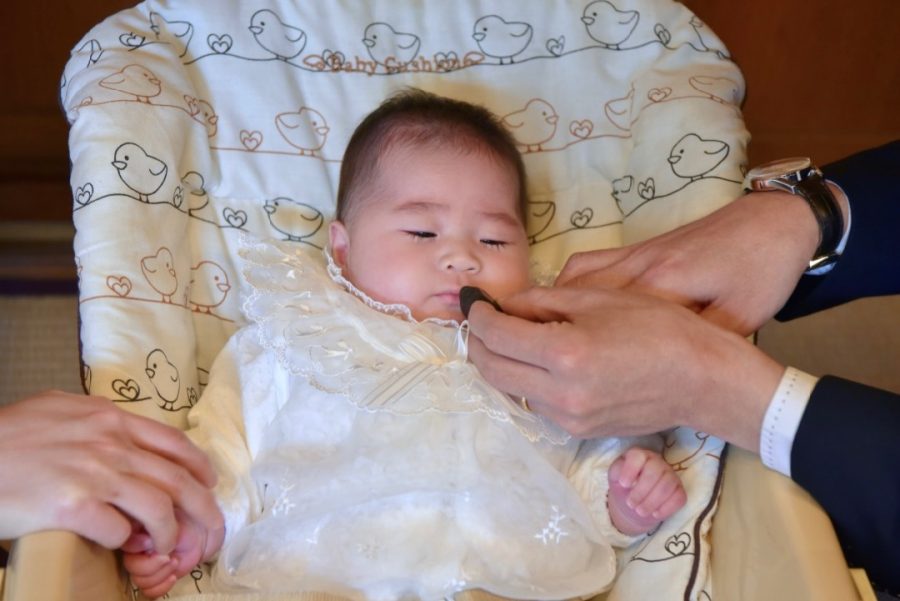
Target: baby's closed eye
pixel 420 234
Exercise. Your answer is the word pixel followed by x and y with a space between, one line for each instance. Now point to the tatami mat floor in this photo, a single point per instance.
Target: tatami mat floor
pixel 38 345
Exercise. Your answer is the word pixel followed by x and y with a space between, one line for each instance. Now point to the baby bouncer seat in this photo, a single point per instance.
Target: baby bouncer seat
pixel 194 123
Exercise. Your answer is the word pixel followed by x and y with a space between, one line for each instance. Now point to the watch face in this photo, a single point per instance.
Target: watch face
pixel 778 168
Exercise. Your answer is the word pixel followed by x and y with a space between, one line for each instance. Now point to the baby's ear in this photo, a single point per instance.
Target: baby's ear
pixel 339 241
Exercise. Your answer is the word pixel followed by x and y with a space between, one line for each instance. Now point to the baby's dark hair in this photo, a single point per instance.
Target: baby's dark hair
pixel 415 118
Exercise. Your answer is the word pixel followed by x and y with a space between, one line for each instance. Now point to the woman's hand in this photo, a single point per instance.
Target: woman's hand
pixel 79 463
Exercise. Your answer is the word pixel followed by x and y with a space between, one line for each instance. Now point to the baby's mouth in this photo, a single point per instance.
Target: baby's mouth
pixel 449 297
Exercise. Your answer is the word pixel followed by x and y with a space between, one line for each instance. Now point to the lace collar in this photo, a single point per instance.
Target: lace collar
pixel 396 309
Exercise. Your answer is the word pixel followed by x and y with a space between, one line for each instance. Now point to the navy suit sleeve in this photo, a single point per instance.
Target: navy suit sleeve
pixel 870 265
pixel 847 455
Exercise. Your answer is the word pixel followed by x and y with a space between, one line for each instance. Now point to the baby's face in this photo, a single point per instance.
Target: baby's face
pixel 435 222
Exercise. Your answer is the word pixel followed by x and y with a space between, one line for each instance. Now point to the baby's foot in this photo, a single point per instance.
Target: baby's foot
pixel 643 491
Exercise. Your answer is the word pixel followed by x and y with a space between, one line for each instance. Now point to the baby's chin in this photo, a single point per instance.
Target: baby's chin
pixel 439 306
pixel 445 314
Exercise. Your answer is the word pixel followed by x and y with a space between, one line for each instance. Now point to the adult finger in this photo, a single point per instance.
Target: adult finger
pixel 97 521
pixel 512 377
pixel 175 480
pixel 171 443
pixel 531 358
pixel 529 320
pixel 662 284
pixel 582 264
pixel 137 446
pixel 540 387
pixel 103 512
pixel 148 504
pixel 542 304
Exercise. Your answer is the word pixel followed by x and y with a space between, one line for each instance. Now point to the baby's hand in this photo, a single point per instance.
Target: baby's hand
pixel 154 573
pixel 151 572
pixel 643 491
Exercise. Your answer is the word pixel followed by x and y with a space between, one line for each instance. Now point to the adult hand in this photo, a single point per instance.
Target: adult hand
pixel 80 463
pixel 736 267
pixel 602 362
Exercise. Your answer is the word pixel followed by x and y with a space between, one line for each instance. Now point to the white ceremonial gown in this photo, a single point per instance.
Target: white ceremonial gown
pixel 359 453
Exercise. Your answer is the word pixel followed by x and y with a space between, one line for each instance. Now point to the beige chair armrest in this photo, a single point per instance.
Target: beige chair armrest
pixel 62 566
pixel 771 540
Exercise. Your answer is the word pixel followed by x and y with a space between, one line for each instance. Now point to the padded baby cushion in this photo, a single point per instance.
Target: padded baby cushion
pixel 196 123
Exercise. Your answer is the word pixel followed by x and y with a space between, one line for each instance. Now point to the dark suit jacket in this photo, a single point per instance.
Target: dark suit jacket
pixel 847 449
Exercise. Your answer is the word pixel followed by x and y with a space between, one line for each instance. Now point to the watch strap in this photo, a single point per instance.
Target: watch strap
pixel 827 212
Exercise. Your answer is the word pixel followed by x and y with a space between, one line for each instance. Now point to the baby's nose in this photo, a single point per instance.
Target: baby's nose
pixel 460 259
pixel 465 264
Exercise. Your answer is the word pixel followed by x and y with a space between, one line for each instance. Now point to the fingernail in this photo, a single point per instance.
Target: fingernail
pixel 469 295
pixel 641 512
pixel 630 503
pixel 656 515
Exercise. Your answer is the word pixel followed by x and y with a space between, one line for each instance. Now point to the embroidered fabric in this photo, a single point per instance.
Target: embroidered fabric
pixel 376 355
pixel 360 455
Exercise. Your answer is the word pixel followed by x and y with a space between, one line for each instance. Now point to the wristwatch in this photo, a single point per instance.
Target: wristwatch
pixel 799 176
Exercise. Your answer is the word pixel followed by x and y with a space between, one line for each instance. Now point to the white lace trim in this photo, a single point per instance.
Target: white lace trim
pixel 395 309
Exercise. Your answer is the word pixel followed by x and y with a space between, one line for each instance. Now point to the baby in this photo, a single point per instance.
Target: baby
pixel 358 452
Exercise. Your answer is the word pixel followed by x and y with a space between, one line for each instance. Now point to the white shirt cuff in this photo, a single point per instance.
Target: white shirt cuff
pixel 782 419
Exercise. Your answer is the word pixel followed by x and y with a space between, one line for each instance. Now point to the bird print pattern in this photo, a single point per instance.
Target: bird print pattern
pixel 163 376
pixel 532 125
pixel 294 220
pixel 176 33
pixel 134 80
pixel 141 173
pixel 209 286
pixel 390 49
pixel 384 49
pixel 159 271
pixel 691 159
pixel 306 130
pixel 501 39
pixel 217 123
pixel 275 36
pixel 607 25
pixel 203 113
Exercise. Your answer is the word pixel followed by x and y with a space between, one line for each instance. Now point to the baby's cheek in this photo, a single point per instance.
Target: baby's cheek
pixel 514 278
pixel 408 290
